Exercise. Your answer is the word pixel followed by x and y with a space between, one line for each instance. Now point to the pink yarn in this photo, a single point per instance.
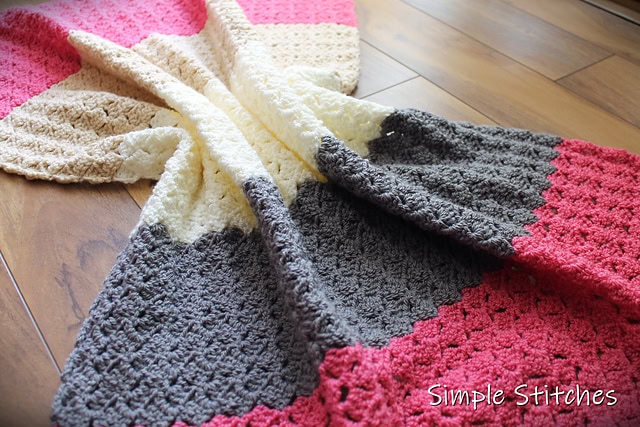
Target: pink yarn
pixel 37 50
pixel 587 230
pixel 127 22
pixel 299 11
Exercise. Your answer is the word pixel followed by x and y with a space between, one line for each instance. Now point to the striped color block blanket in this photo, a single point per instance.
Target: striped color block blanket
pixel 307 258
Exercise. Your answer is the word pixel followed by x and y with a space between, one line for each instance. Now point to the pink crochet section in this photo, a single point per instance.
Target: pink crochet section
pixel 127 22
pixel 35 55
pixel 589 229
pixel 33 39
pixel 299 11
pixel 514 333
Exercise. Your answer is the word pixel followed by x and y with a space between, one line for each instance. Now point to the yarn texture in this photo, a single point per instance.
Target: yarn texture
pixel 308 258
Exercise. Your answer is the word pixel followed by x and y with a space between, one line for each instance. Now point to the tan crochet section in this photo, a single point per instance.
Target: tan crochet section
pixel 71 132
pixel 328 46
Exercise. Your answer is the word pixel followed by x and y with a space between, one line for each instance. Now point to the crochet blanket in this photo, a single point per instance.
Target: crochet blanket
pixel 307 258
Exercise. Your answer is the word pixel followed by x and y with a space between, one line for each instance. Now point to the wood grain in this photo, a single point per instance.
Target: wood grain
pixel 29 378
pixel 588 22
pixel 140 191
pixel 421 93
pixel 60 241
pixel 532 41
pixel 613 84
pixel 627 9
pixel 499 87
pixel 379 71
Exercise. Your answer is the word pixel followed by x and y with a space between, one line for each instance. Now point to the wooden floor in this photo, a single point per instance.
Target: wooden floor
pixel 559 66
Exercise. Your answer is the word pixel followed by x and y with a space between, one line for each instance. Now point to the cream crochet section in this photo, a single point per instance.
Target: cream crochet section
pixel 201 113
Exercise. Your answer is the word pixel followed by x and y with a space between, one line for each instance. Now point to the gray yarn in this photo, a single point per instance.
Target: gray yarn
pixel 477 185
pixel 309 303
pixel 385 273
pixel 182 332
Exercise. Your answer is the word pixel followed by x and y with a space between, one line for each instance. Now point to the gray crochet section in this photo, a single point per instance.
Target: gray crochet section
pixel 383 273
pixel 309 304
pixel 356 272
pixel 232 321
pixel 475 184
pixel 182 332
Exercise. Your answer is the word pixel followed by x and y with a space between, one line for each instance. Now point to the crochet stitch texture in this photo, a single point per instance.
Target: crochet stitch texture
pixel 307 258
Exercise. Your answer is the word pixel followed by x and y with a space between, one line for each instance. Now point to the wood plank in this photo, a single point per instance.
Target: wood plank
pixel 424 95
pixel 531 41
pixel 626 9
pixel 495 85
pixel 588 22
pixel 613 84
pixel 140 191
pixel 378 71
pixel 60 241
pixel 29 377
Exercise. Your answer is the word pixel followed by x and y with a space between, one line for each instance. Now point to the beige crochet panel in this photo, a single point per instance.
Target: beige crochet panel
pixel 72 131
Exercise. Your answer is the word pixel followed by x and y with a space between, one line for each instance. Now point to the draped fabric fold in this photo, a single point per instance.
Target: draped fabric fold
pixel 308 258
